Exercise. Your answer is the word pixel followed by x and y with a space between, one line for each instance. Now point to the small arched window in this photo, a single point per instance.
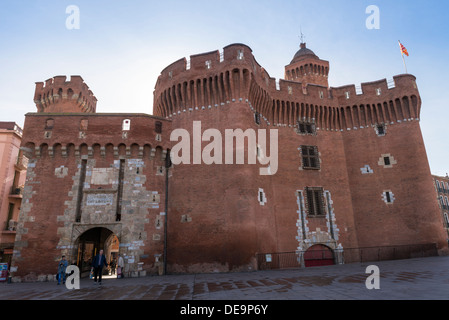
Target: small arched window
pixel 126 126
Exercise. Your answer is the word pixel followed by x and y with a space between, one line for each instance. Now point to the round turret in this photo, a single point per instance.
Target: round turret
pixel 59 95
pixel 307 68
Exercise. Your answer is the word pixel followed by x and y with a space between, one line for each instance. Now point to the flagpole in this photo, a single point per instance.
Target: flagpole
pixel 402 54
pixel 403 59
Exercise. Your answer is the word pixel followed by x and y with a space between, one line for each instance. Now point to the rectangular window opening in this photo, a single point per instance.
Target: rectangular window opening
pixel 306 128
pixel 158 127
pixel 315 202
pixel 310 157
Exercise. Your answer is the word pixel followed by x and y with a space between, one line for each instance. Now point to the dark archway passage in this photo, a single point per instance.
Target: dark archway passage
pixel 90 243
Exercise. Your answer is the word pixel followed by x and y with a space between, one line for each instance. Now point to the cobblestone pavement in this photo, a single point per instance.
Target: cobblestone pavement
pixel 415 279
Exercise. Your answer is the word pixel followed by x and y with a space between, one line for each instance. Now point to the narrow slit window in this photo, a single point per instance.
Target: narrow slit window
pixel 388 196
pixel 257 118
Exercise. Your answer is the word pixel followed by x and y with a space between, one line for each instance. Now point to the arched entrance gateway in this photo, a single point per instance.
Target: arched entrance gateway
pixel 318 255
pixel 90 243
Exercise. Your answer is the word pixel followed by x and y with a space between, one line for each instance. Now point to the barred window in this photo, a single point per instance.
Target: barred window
pixel 310 158
pixel 315 201
pixel 306 128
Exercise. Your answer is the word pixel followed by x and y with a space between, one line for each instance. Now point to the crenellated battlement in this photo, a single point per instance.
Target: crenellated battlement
pixel 215 79
pixel 59 95
pixel 77 134
pixel 396 87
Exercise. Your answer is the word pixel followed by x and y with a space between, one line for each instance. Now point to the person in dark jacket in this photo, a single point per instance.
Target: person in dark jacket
pixel 62 270
pixel 98 263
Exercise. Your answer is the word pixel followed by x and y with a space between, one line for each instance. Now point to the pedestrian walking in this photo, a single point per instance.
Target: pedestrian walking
pixel 63 263
pixel 98 263
pixel 120 266
pixel 113 265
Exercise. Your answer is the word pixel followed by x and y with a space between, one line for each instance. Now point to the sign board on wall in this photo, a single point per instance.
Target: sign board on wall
pixel 100 199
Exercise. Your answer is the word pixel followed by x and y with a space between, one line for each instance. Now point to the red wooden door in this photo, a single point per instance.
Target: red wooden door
pixel 318 255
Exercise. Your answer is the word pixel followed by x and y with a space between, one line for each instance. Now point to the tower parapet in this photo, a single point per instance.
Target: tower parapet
pixel 59 95
pixel 215 79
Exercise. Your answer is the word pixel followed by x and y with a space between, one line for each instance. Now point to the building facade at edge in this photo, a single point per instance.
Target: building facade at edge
pixel 12 176
pixel 351 171
pixel 442 188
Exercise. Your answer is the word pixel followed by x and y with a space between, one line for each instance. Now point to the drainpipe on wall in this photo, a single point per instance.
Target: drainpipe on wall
pixel 168 164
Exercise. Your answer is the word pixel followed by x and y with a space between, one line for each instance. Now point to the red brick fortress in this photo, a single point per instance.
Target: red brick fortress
pixel 352 171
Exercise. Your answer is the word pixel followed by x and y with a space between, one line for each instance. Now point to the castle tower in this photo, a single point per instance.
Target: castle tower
pixel 307 68
pixel 58 95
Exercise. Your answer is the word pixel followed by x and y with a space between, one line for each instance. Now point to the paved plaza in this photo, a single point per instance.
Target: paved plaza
pixel 414 279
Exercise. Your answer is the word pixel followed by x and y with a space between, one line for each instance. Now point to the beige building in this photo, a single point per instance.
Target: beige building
pixel 442 188
pixel 13 167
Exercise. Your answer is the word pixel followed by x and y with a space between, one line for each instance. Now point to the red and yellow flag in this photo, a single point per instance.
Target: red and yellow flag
pixel 403 49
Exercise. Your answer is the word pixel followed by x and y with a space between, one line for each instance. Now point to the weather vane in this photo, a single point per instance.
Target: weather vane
pixel 302 36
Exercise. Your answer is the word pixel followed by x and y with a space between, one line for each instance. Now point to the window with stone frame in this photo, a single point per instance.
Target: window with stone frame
pixel 381 130
pixel 306 128
pixel 388 197
pixel 315 201
pixel 310 158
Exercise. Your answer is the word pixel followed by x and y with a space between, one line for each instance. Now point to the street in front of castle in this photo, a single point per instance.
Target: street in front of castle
pixel 413 279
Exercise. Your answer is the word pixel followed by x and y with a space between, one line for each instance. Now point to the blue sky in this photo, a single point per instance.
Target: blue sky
pixel 122 46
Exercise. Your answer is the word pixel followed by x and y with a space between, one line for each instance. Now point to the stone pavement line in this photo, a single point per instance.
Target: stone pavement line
pixel 414 279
